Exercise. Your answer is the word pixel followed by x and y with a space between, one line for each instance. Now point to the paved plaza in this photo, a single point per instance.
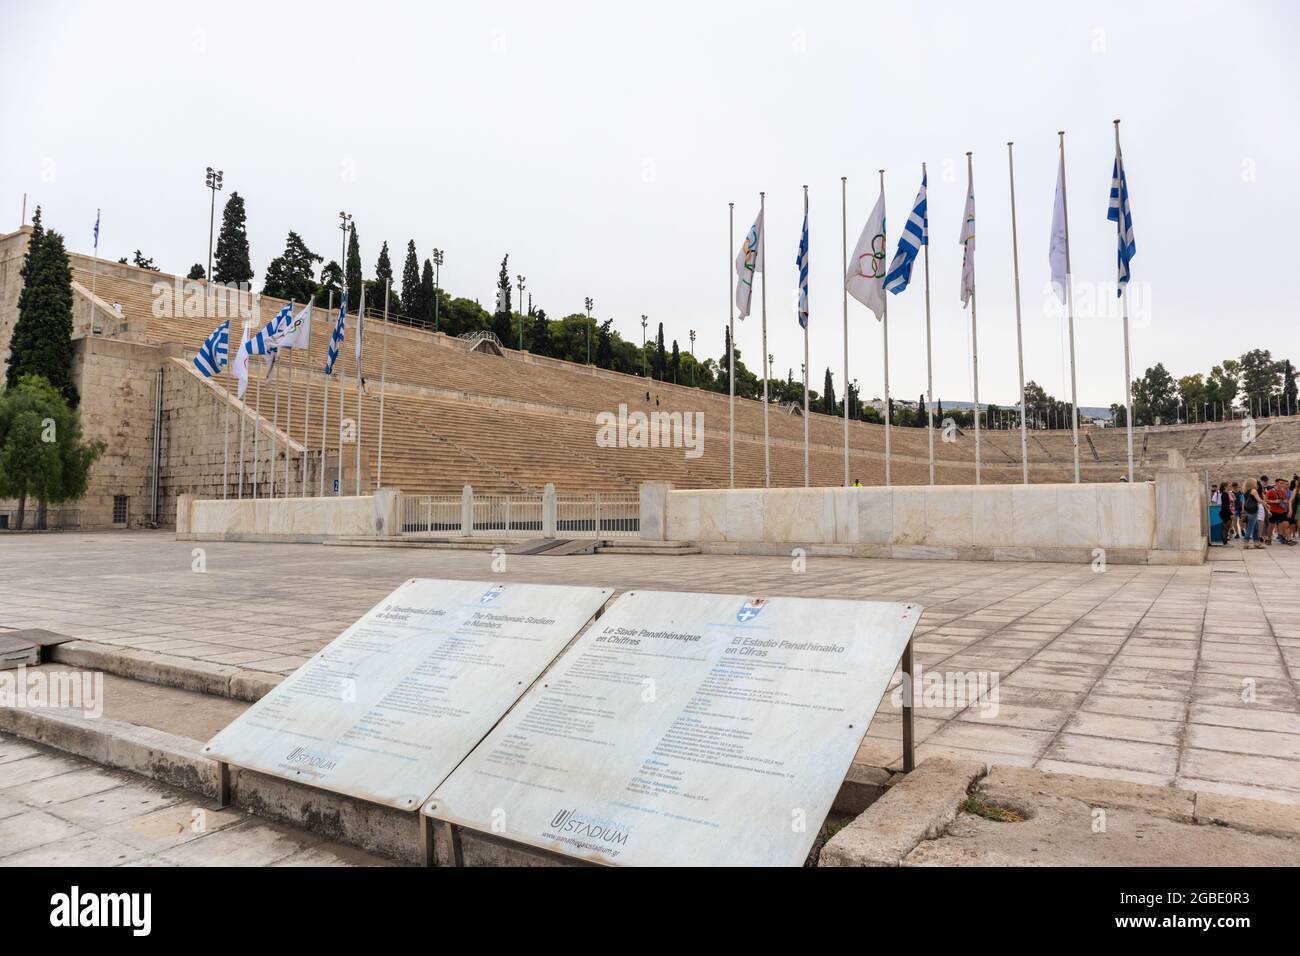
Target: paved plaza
pixel 1186 676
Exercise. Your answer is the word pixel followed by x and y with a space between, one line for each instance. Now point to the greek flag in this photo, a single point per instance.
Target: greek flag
pixel 214 351
pixel 1120 214
pixel 97 246
pixel 336 337
pixel 916 233
pixel 802 262
pixel 266 342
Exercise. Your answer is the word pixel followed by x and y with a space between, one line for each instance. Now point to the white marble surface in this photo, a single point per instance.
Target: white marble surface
pixel 289 517
pixel 963 517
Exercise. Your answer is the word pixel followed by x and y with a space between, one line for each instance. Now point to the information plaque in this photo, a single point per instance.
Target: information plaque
pixel 686 729
pixel 388 709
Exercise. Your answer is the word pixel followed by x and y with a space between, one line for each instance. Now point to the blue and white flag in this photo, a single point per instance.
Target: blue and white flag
pixel 1120 214
pixel 916 233
pixel 266 342
pixel 97 236
pixel 215 351
pixel 802 262
pixel 336 337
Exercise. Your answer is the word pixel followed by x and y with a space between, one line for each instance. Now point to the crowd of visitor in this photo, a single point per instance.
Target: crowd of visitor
pixel 1259 512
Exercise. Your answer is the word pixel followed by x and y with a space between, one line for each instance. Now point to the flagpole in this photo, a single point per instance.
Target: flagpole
pixel 361 326
pixel 884 325
pixel 339 367
pixel 929 362
pixel 288 419
pixel 275 414
pixel 1069 311
pixel 257 413
pixel 306 415
pixel 325 408
pixel 1123 298
pixel 383 376
pixel 731 350
pixel 94 276
pixel 1020 348
pixel 974 339
pixel 844 250
pixel 243 415
pixel 762 255
pixel 807 475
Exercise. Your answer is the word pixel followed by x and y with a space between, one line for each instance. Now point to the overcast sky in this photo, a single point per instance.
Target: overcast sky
pixel 599 144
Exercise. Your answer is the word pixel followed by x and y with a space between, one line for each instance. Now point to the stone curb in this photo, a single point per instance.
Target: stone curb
pixel 1009 783
pixel 219 680
pixel 919 807
pixel 1243 813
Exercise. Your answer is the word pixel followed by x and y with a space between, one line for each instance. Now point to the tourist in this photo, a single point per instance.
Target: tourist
pixel 1236 509
pixel 1253 507
pixel 1277 523
pixel 1225 511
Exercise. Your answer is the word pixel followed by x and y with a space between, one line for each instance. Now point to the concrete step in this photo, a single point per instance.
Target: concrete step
pixel 647 547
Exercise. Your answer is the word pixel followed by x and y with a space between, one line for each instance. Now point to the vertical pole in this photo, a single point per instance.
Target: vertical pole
pixel 94 276
pixel 257 406
pixel 974 342
pixel 762 255
pixel 288 421
pixel 1069 311
pixel 361 328
pixel 306 418
pixel 884 327
pixel 1020 347
pixel 383 376
pixel 909 691
pixel 243 416
pixel 275 416
pixel 929 358
pixel 731 351
pixel 844 250
pixel 807 474
pixel 1128 373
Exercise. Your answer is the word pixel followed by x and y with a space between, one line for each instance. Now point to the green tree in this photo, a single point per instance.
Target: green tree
pixel 539 334
pixel 331 285
pixel 140 262
pixel 232 263
pixel 427 297
pixel 502 323
pixel 660 355
pixel 1288 373
pixel 605 345
pixel 42 454
pixel 1259 378
pixel 352 269
pixel 676 362
pixel 412 304
pixel 292 274
pixel 41 343
pixel 197 272
pixel 1155 397
pixel 383 280
pixel 828 394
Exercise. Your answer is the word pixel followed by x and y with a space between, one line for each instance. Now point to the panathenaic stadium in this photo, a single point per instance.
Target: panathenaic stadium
pixel 472 412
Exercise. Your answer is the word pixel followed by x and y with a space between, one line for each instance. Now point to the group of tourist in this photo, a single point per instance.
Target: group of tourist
pixel 1257 512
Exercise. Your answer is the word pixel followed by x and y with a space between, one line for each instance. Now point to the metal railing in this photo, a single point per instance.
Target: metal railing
pixel 576 515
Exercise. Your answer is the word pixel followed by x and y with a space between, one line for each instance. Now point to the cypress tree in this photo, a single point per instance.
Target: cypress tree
pixel 539 334
pixel 353 267
pixel 197 272
pixel 661 355
pixel 501 321
pixel 41 343
pixel 426 295
pixel 411 305
pixel 828 394
pixel 232 263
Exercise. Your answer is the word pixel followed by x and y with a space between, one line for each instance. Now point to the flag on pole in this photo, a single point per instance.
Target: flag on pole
pixel 266 341
pixel 336 337
pixel 1059 251
pixel 215 351
pixel 296 333
pixel 866 276
pixel 748 262
pixel 97 232
pixel 240 366
pixel 1122 216
pixel 916 233
pixel 802 262
pixel 968 241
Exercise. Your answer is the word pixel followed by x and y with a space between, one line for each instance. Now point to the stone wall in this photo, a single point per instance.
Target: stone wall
pixel 1148 522
pixel 288 519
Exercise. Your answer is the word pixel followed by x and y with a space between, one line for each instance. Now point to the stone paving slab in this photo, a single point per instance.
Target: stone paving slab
pixel 1157 675
pixel 65 811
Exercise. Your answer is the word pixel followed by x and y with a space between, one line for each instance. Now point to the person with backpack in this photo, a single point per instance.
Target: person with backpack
pixel 1225 512
pixel 1252 509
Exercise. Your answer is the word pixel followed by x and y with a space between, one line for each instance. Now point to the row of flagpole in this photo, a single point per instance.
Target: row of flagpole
pixel 868 279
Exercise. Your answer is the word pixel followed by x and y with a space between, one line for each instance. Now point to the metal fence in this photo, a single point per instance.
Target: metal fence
pixel 430 514
pixel 584 515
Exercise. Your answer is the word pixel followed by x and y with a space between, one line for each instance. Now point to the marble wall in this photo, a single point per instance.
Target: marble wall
pixel 289 519
pixel 1027 522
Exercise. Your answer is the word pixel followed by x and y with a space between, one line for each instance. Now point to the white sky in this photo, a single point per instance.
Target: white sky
pixel 599 144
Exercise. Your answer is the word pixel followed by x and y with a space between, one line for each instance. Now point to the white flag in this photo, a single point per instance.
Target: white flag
pixel 968 240
pixel 749 261
pixel 865 280
pixel 1059 250
pixel 297 331
pixel 239 364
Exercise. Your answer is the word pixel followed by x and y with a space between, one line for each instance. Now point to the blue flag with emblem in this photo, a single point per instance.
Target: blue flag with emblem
pixel 802 262
pixel 215 351
pixel 336 337
pixel 1120 214
pixel 266 342
pixel 916 233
